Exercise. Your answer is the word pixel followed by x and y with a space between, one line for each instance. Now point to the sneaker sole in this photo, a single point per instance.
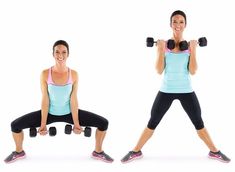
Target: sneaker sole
pixel 136 158
pixel 97 158
pixel 211 157
pixel 22 157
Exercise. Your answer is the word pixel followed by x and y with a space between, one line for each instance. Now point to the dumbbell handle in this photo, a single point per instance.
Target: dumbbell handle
pixel 82 130
pixel 72 129
pixel 42 132
pixel 33 132
pixel 189 42
pixel 201 38
pixel 69 129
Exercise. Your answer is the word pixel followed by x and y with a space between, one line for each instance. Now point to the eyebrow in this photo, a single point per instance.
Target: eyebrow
pixel 178 20
pixel 61 50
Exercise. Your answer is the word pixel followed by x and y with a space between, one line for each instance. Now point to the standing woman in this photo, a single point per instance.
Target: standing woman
pixel 59 86
pixel 176 85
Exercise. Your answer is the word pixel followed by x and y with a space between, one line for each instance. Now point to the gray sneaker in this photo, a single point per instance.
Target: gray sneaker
pixel 219 156
pixel 102 156
pixel 15 156
pixel 131 156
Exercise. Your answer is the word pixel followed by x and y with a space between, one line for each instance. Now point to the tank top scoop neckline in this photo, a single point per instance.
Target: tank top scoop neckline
pixel 170 51
pixel 51 82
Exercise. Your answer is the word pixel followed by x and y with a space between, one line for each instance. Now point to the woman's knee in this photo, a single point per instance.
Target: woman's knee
pixel 103 124
pixel 198 124
pixel 15 126
pixel 152 124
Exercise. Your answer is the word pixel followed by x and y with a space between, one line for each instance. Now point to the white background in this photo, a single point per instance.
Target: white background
pixel 117 80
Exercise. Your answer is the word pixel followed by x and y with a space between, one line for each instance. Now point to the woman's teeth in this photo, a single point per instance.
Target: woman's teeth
pixel 177 29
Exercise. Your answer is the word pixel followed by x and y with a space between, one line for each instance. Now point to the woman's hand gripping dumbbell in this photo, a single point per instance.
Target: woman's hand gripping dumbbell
pixel 184 45
pixel 170 43
pixel 42 131
pixel 77 130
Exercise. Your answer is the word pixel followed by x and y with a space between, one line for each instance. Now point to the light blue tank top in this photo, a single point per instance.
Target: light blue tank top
pixel 59 96
pixel 176 76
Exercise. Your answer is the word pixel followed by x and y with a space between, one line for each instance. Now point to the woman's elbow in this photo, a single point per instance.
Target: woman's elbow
pixel 192 71
pixel 159 70
pixel 74 102
pixel 45 101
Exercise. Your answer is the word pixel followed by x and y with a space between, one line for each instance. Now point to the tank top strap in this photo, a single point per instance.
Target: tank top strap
pixel 167 50
pixel 49 79
pixel 70 80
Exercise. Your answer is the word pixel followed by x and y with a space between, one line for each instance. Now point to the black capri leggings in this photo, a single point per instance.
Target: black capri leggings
pixel 163 102
pixel 33 119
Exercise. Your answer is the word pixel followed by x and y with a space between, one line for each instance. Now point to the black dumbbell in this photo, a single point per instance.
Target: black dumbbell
pixel 68 130
pixel 150 41
pixel 170 43
pixel 183 45
pixel 52 131
pixel 202 42
pixel 33 131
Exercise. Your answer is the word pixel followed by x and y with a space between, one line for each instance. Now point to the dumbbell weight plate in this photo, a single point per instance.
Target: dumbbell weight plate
pixel 68 129
pixel 202 41
pixel 52 131
pixel 87 131
pixel 183 45
pixel 32 132
pixel 170 44
pixel 149 42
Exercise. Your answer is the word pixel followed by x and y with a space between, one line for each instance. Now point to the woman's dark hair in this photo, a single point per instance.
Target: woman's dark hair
pixel 178 12
pixel 61 42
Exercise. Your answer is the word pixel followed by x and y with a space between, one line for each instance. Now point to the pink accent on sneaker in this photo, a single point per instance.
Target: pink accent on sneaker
pixel 217 157
pixel 15 157
pixel 101 156
pixel 133 156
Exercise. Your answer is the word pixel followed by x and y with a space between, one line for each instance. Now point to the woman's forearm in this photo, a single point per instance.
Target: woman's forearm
pixel 44 112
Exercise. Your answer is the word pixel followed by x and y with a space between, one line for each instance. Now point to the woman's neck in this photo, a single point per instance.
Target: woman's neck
pixel 60 68
pixel 177 37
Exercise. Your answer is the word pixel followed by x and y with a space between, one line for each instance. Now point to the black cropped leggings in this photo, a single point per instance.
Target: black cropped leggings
pixel 163 102
pixel 33 119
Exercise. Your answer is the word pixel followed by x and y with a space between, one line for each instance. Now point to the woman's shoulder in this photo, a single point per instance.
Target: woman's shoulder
pixel 74 72
pixel 44 73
